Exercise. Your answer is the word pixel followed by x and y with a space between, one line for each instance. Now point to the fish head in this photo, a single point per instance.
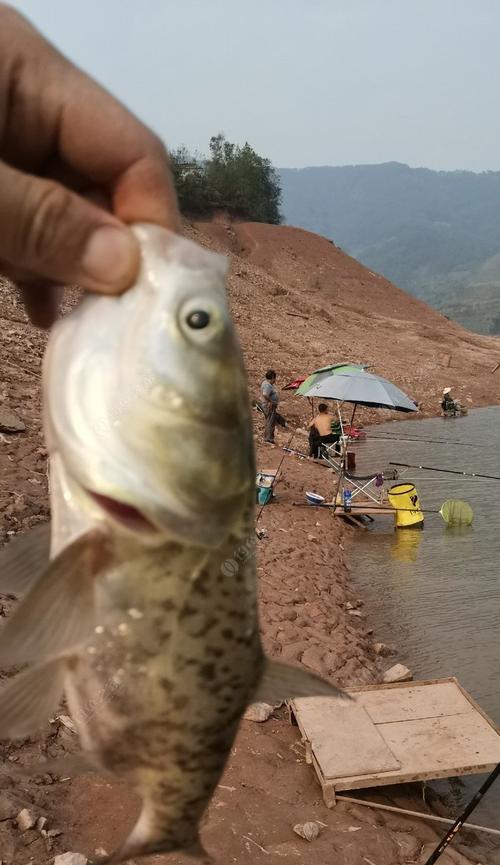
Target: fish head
pixel 145 397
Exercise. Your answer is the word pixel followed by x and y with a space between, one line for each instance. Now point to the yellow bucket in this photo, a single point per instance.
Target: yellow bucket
pixel 404 499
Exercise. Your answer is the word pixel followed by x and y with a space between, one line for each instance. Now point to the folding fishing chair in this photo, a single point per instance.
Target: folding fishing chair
pixel 359 485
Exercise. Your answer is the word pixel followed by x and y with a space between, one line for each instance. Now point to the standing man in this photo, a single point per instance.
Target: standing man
pixel 269 405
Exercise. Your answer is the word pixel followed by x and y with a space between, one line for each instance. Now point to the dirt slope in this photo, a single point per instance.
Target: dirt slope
pixel 279 273
pixel 298 303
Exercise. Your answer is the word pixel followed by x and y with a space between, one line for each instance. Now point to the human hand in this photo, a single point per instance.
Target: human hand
pixel 75 166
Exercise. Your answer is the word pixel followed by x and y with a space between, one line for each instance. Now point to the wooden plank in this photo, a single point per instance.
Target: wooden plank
pixel 451 743
pixel 353 521
pixel 368 510
pixel 417 701
pixel 446 742
pixel 363 782
pixel 361 689
pixel 477 707
pixel 343 738
pixel 432 748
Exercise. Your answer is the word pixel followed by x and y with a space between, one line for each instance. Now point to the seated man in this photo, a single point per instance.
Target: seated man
pixel 320 431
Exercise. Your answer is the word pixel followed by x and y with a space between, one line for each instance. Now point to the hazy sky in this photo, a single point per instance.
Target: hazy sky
pixel 306 82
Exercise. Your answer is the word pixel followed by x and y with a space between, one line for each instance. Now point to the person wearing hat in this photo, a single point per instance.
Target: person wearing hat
pixel 448 403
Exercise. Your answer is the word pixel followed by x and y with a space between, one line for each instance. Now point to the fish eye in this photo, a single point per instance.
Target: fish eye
pixel 198 319
pixel 203 320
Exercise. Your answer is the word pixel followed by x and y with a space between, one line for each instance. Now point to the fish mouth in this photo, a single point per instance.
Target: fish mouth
pixel 127 515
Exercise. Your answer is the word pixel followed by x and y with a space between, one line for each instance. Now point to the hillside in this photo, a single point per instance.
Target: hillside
pixel 434 233
pixel 300 302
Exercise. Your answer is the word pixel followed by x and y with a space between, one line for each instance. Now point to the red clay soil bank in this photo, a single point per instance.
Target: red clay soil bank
pixel 279 273
pixel 340 311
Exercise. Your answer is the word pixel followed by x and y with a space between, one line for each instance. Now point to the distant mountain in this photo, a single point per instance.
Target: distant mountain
pixel 433 233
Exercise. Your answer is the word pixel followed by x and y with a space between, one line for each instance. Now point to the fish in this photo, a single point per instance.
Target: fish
pixel 138 602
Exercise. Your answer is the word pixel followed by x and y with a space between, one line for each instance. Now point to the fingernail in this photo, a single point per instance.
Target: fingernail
pixel 111 257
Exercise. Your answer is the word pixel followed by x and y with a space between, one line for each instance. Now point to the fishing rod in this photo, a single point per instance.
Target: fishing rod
pixel 454 512
pixel 391 438
pixel 294 452
pixel 447 471
pixel 459 822
pixel 354 507
pixel 274 481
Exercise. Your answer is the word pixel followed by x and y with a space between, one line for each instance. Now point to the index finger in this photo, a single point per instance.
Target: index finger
pixel 63 115
pixel 102 140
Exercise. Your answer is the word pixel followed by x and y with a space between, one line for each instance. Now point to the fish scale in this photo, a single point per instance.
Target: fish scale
pixel 173 704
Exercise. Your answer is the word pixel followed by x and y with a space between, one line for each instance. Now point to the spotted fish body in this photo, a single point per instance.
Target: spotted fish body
pixel 159 690
pixel 145 617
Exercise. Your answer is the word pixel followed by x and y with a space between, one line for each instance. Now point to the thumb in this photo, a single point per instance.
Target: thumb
pixel 55 234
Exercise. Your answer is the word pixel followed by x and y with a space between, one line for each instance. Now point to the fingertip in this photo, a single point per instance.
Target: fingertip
pixel 41 302
pixel 110 260
pixel 145 192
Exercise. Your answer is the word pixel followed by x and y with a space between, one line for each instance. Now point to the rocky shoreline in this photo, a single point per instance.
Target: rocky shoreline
pixel 328 613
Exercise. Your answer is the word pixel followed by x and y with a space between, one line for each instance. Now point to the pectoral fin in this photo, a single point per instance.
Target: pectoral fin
pixel 57 615
pixel 71 765
pixel 28 701
pixel 282 682
pixel 23 560
pixel 198 854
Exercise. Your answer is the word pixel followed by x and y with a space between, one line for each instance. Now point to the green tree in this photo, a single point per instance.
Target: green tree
pixel 243 182
pixel 234 178
pixel 190 180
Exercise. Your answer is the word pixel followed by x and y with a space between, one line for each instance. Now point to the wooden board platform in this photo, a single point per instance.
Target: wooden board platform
pixel 362 507
pixel 394 734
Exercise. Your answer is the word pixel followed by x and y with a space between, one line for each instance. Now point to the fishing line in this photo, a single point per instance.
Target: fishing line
pixel 447 471
pixel 391 438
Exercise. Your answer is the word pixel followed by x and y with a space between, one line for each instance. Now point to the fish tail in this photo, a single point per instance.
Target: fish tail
pixel 198 853
pixel 146 839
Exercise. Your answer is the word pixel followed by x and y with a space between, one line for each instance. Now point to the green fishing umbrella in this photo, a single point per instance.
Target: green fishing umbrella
pixel 324 372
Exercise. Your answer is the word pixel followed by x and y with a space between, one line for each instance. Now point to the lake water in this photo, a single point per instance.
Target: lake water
pixel 435 594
